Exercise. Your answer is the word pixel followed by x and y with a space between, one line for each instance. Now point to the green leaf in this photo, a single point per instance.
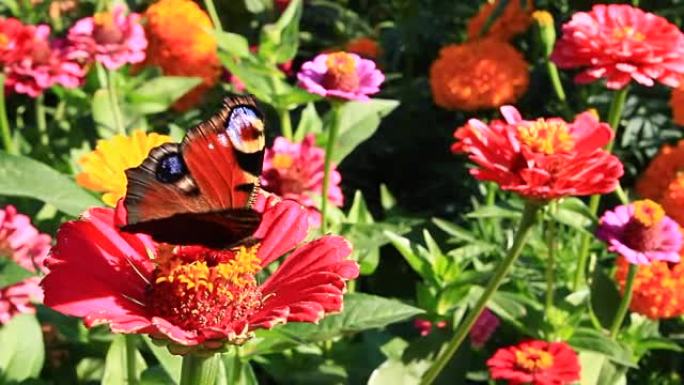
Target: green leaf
pixel 232 43
pixel 171 363
pixel 574 213
pixel 358 121
pixel 494 212
pixel 387 200
pixel 158 94
pixel 103 115
pixel 420 265
pixel 605 297
pixel 25 177
pixel 454 230
pixel 11 273
pixel 90 369
pixel 236 371
pixel 21 349
pixel 279 42
pixel 594 341
pixel 309 123
pixel 115 363
pixel 591 364
pixel 361 312
pixel 155 375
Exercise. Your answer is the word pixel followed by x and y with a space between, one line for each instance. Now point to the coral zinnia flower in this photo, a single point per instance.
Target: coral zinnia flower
pixel 103 168
pixel 340 75
pixel 478 74
pixel 295 171
pixel 181 43
pixel 543 158
pixel 677 105
pixel 663 181
pixel 514 20
pixel 110 38
pixel 364 47
pixel 37 63
pixel 641 232
pixel 485 325
pixel 621 43
pixel 658 288
pixel 27 247
pixel 535 363
pixel 190 294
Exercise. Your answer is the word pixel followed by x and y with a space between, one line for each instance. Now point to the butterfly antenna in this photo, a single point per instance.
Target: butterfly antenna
pixel 137 270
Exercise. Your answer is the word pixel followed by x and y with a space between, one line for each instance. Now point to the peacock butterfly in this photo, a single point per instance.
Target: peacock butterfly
pixel 201 191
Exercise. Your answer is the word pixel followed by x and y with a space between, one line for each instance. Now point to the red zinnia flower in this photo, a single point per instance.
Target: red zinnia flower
pixel 543 158
pixel 621 43
pixel 190 294
pixel 536 363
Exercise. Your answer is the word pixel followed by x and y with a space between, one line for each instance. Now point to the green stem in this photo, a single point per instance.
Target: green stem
pixel 526 223
pixel 490 199
pixel 114 102
pixel 550 264
pixel 285 124
pixel 7 140
pixel 41 122
pixel 327 166
pixel 614 114
pixel 211 9
pixel 131 360
pixel 554 76
pixel 199 370
pixel 626 300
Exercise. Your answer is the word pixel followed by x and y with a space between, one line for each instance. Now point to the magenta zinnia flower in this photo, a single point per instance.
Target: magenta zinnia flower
pixel 620 43
pixel 485 325
pixel 39 63
pixel 190 294
pixel 111 38
pixel 641 232
pixel 341 75
pixel 27 247
pixel 295 171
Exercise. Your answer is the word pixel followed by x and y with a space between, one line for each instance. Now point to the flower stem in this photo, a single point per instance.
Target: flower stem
pixel 114 103
pixel 554 76
pixel 329 148
pixel 7 140
pixel 41 122
pixel 199 370
pixel 550 264
pixel 614 114
pixel 131 360
pixel 285 124
pixel 626 300
pixel 211 9
pixel 527 221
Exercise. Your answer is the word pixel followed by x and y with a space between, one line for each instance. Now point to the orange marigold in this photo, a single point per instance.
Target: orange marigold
pixel 478 74
pixel 658 288
pixel 514 20
pixel 663 181
pixel 181 44
pixel 677 105
pixel 363 46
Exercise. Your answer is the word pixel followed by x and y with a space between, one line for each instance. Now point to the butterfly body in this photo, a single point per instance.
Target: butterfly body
pixel 201 191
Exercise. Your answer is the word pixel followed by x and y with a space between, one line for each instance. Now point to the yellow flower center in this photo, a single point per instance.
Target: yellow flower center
pixel 282 161
pixel 648 213
pixel 533 359
pixel 548 137
pixel 106 30
pixel 341 63
pixel 543 18
pixel 628 32
pixel 4 40
pixel 341 74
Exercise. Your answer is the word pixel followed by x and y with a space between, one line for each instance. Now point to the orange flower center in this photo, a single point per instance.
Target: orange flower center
pixel 106 30
pixel 533 359
pixel 282 161
pixel 548 137
pixel 341 74
pixel 199 288
pixel 642 232
pixel 4 40
pixel 627 32
pixel 648 212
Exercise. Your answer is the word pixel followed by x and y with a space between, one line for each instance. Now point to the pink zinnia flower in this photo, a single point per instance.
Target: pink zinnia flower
pixel 547 158
pixel 485 325
pixel 341 75
pixel 111 38
pixel 535 363
pixel 27 247
pixel 40 63
pixel 190 294
pixel 620 43
pixel 295 171
pixel 641 232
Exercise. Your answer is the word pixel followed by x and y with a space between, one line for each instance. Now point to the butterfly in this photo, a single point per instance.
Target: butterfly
pixel 201 191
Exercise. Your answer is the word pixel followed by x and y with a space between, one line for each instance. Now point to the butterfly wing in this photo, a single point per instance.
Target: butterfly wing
pixel 201 190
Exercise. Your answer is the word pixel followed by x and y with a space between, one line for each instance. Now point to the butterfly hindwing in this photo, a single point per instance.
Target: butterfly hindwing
pixel 201 190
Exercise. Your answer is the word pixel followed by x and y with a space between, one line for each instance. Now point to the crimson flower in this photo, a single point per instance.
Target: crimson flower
pixel 535 363
pixel 190 294
pixel 621 43
pixel 542 159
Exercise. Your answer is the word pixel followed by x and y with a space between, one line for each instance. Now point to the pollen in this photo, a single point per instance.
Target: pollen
pixel 546 136
pixel 282 161
pixel 648 212
pixel 341 73
pixel 628 32
pixel 197 287
pixel 533 359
